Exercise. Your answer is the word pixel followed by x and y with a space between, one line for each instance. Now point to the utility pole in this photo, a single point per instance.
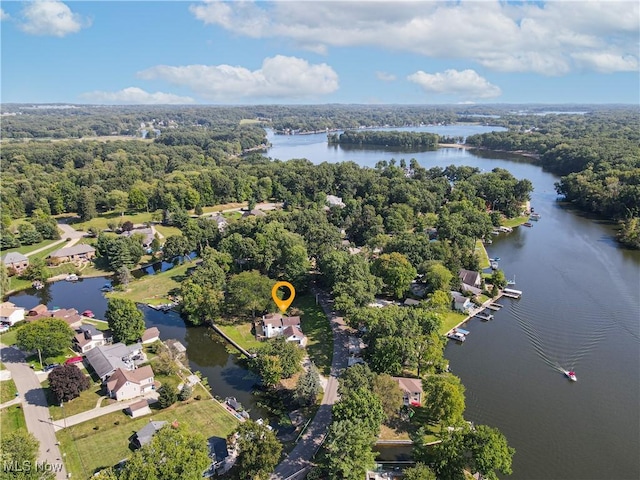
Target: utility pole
pixel 40 356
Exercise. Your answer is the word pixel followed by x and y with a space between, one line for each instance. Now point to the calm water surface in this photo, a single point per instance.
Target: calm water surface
pixel 579 310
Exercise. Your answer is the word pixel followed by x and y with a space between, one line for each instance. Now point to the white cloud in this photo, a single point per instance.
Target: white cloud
pixel 552 38
pixel 135 96
pixel 385 76
pixel 279 77
pixel 51 17
pixel 465 83
pixel 3 15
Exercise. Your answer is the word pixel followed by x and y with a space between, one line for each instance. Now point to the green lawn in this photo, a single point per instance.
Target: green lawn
pixel 47 251
pixel 241 334
pixel 167 231
pixel 482 255
pixel 16 284
pixel 219 208
pixel 101 222
pixel 100 325
pixel 12 419
pixel 450 320
pixel 155 289
pixel 104 441
pixel 514 222
pixel 86 401
pixel 316 327
pixel 28 248
pixel 8 390
pixel 9 338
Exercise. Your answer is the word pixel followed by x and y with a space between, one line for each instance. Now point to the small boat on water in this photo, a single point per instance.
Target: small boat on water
pixel 107 287
pixel 571 375
pixel 528 224
pixel 494 265
pixel 495 259
pixel 88 314
pixel 512 281
pixel 72 277
pixel 38 285
pixel 535 217
pixel 457 336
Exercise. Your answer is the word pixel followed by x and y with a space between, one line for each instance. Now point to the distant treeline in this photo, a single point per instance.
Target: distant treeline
pixel 386 138
pixel 598 154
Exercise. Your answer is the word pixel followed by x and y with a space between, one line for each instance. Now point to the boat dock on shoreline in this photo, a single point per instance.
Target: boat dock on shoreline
pixel 456 332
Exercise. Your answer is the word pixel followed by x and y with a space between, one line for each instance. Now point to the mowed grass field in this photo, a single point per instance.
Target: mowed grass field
pixel 155 289
pixel 12 419
pixel 315 325
pixel 104 441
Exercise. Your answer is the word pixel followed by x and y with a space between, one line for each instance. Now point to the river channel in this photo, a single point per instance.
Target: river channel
pixel 579 310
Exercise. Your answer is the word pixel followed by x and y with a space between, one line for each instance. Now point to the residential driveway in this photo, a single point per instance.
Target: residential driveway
pixel 69 232
pixel 36 411
pixel 38 250
pixel 299 460
pixel 98 412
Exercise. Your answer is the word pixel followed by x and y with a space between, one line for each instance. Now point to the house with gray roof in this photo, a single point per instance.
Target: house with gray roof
pixel 145 435
pixel 106 359
pixel 15 261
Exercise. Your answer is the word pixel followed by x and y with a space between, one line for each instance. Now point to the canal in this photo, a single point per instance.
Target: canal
pixel 579 310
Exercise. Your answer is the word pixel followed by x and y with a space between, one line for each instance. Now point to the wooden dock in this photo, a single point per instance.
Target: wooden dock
pixel 482 316
pixel 491 306
pixel 494 304
pixel 510 295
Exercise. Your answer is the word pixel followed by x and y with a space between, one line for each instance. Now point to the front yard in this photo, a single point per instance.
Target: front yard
pixel 12 419
pixel 86 401
pixel 104 441
pixel 315 325
pixel 450 320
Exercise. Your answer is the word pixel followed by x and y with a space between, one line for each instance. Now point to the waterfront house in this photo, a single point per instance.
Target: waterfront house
pixel 38 310
pixel 106 359
pixel 128 384
pixel 88 338
pixel 460 302
pixel 144 435
pixel 411 390
pixel 11 314
pixel 69 315
pixel 150 335
pixel 469 277
pixel 273 324
pixel 15 262
pixel 71 254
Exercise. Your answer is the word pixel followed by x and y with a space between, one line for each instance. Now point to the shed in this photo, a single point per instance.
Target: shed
pixel 138 409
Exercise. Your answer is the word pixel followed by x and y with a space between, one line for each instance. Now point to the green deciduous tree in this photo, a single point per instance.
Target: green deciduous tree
pixel 348 450
pixel 125 320
pixel 396 272
pixel 173 454
pixel 389 393
pixel 444 398
pixel 20 450
pixel 37 270
pixel 51 336
pixel 67 382
pixel 249 292
pixel 419 472
pixel 259 451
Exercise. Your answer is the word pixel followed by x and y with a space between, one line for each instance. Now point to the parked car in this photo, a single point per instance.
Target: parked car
pixel 73 360
pixel 51 367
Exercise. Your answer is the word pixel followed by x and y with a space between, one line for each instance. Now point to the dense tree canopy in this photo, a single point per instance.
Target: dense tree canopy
pixel 259 450
pixel 125 320
pixel 51 336
pixel 66 382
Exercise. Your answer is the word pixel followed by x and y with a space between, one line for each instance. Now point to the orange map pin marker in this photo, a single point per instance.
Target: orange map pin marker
pixel 283 304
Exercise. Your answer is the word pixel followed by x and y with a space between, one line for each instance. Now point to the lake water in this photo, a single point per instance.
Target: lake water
pixel 579 310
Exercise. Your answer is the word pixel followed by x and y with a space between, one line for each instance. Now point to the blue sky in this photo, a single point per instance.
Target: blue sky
pixel 247 52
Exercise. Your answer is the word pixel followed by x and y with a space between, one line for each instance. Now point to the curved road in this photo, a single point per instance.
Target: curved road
pixel 299 460
pixel 36 408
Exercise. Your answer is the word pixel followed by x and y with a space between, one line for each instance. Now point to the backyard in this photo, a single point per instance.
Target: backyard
pixel 104 441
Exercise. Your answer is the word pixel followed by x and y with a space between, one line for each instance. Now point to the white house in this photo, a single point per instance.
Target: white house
pixel 127 384
pixel 460 302
pixel 295 335
pixel 274 324
pixel 11 314
pixel 411 390
pixel 89 337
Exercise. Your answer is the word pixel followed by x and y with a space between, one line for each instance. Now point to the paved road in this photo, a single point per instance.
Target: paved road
pixel 34 404
pixel 299 460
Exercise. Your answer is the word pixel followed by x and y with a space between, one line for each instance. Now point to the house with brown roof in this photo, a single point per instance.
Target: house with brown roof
pixel 126 384
pixel 274 324
pixel 295 335
pixel 150 335
pixel 11 314
pixel 15 262
pixel 38 310
pixel 411 390
pixel 254 213
pixel 69 315
pixel 72 254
